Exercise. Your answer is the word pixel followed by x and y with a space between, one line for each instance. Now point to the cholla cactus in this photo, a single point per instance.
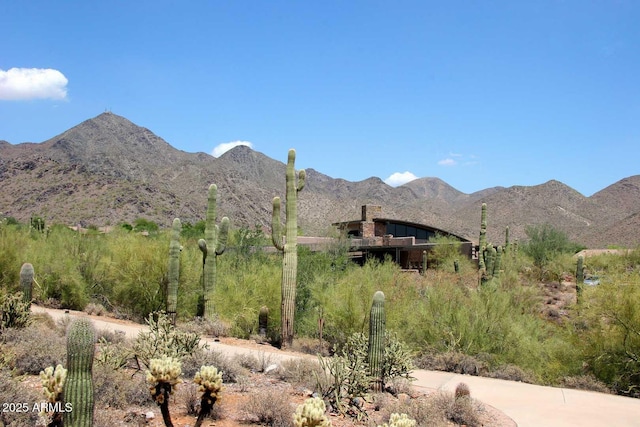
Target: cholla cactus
pixel 53 382
pixel 400 420
pixel 163 375
pixel 209 380
pixel 53 386
pixel 311 414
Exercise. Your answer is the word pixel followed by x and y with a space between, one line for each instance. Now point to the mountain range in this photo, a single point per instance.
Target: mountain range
pixel 108 170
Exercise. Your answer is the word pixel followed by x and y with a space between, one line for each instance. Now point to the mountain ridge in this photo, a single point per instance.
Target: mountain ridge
pixel 107 169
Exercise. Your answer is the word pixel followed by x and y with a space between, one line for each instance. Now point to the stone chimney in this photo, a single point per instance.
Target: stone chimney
pixel 369 212
pixel 367 226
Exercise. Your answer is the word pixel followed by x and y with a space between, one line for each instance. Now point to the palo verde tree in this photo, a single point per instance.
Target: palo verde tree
pixel 545 243
pixel 288 244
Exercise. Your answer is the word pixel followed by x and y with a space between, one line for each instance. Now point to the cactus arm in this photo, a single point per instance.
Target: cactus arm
pixel 302 179
pixel 202 244
pixel 276 226
pixel 223 235
pixel 78 388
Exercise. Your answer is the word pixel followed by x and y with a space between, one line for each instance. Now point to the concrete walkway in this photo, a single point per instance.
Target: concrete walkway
pixel 528 405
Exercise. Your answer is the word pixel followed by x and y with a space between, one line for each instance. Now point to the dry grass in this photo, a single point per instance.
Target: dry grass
pixel 268 408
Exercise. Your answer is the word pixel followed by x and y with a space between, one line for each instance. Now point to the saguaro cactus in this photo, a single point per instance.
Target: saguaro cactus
pixel 288 244
pixel 507 243
pixel 174 270
pixel 579 277
pixel 26 281
pixel 482 242
pixel 376 340
pixel 78 388
pixel 492 261
pixel 213 244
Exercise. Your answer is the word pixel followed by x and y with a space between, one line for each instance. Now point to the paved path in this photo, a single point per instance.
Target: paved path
pixel 528 405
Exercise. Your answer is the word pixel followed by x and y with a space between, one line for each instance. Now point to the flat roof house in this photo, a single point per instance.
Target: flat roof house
pixel 375 236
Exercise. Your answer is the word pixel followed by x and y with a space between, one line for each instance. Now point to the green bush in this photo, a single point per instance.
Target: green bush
pixel 609 336
pixel 545 243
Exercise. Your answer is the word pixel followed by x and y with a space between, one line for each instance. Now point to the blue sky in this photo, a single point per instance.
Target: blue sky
pixel 477 93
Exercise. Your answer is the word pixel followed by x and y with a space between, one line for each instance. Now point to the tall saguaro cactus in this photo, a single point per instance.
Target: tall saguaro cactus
pixel 482 242
pixel 377 323
pixel 579 277
pixel 288 244
pixel 78 388
pixel 213 244
pixel 174 270
pixel 26 281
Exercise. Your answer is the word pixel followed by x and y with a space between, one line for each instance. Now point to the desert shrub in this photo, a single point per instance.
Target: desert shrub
pixel 14 312
pixel 438 409
pixel 191 397
pixel 425 410
pixel 11 252
pixel 95 309
pixel 511 373
pixel 34 348
pixel 445 252
pixel 300 372
pixel 545 243
pixel 610 336
pixel 118 388
pixel 13 391
pixel 491 322
pixel 162 340
pixel 240 293
pixel 451 361
pixel 204 327
pixel 232 372
pixel 254 363
pixel 132 273
pixel 270 407
pixel 113 354
pixel 585 382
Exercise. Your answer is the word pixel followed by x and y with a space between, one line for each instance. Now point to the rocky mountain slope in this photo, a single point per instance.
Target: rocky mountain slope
pixel 108 170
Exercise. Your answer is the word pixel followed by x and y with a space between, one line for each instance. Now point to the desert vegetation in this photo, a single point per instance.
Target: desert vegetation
pixel 517 317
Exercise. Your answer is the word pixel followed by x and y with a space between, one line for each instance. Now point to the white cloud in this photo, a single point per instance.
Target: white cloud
pixel 399 178
pixel 32 83
pixel 447 162
pixel 219 150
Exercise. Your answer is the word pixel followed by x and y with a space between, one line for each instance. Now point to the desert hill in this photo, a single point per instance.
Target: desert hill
pixel 107 170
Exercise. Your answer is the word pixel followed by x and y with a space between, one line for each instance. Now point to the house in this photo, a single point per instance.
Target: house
pixel 375 236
